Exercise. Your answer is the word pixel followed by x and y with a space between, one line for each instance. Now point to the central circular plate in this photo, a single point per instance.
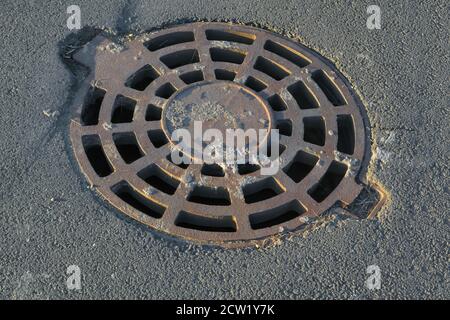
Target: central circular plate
pixel 219 105
pixel 223 76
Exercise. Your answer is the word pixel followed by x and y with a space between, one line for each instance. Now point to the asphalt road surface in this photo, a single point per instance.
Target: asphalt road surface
pixel 50 219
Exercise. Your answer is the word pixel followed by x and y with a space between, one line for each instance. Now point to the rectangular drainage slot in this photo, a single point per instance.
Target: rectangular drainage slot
pixel 142 78
pixel 123 109
pixel 91 106
pixel 328 182
pixel 125 192
pixel 211 196
pixel 158 179
pixel 240 37
pixel 300 166
pixel 169 40
pixel 271 68
pixel 192 77
pixel 222 74
pixel 273 217
pixel 329 88
pixel 255 84
pixel 314 130
pixel 227 55
pixel 157 137
pixel 346 134
pixel 202 223
pixel 277 103
pixel 261 190
pixel 304 97
pixel 128 146
pixel 180 58
pixel 287 53
pixel 96 155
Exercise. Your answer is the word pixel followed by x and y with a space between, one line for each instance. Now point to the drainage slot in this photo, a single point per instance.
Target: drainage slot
pixel 287 53
pixel 270 68
pixel 303 96
pixel 285 127
pixel 314 130
pixel 158 179
pixel 91 106
pixel 157 137
pixel 328 87
pixel 191 77
pixel 227 55
pixel 180 58
pixel 153 113
pixel 300 166
pixel 202 223
pixel 96 155
pixel 142 78
pixel 328 182
pixel 239 37
pixel 125 192
pixel 210 196
pixel 213 170
pixel 182 165
pixel 261 190
pixel 346 134
pixel 127 146
pixel 247 168
pixel 165 91
pixel 277 103
pixel 222 74
pixel 277 215
pixel 255 84
pixel 169 40
pixel 123 109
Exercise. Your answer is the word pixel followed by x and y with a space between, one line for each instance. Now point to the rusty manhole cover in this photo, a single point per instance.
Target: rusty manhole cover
pixel 121 131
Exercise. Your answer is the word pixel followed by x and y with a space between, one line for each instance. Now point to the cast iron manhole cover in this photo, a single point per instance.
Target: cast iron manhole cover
pixel 124 117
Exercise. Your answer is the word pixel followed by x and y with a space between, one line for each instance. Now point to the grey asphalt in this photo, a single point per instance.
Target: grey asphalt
pixel 49 219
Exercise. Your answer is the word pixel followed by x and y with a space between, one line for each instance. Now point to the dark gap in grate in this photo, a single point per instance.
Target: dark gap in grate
pixel 123 109
pixel 287 53
pixel 142 78
pixel 314 130
pixel 91 106
pixel 328 87
pixel 227 55
pixel 239 37
pixel 281 149
pixel 180 58
pixel 125 192
pixel 303 96
pixel 192 77
pixel 270 68
pixel 261 190
pixel 213 224
pixel 127 146
pixel 300 166
pixel 346 134
pixel 213 170
pixel 247 168
pixel 255 84
pixel 157 178
pixel 277 103
pixel 157 137
pixel 181 165
pixel 153 113
pixel 330 180
pixel 210 196
pixel 96 155
pixel 165 91
pixel 273 217
pixel 222 74
pixel 169 40
pixel 285 127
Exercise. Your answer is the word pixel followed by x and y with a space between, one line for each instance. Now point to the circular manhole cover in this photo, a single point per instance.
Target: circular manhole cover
pixel 227 76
